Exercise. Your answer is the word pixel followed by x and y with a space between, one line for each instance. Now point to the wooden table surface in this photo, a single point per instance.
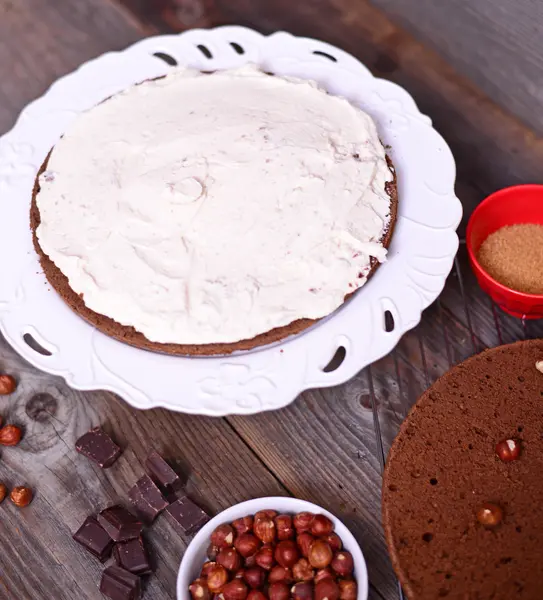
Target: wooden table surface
pixel 324 446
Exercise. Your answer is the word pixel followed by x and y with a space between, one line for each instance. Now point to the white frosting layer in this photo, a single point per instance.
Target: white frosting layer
pixel 212 208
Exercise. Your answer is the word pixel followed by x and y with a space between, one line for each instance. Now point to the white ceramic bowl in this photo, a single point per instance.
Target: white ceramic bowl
pixel 196 553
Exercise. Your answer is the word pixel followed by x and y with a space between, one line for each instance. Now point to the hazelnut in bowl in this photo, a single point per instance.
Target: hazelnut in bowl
pixel 275 548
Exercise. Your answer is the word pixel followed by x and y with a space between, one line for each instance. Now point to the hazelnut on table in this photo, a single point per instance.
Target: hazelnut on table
pixel 7 385
pixel 21 496
pixel 10 435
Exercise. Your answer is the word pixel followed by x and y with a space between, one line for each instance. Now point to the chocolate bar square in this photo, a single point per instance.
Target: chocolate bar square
pixel 99 447
pixel 132 556
pixel 119 584
pixel 120 524
pixel 147 499
pixel 94 538
pixel 187 515
pixel 160 470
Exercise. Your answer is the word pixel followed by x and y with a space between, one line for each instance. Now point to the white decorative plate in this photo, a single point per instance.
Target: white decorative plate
pixel 420 258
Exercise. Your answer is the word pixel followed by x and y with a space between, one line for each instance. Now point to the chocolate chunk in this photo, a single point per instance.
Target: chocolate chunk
pixel 99 447
pixel 147 498
pixel 188 516
pixel 175 493
pixel 119 523
pixel 160 470
pixel 94 538
pixel 132 557
pixel 120 584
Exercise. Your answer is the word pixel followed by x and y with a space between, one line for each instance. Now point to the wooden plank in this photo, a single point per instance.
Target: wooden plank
pixel 487 40
pixel 219 469
pixel 176 15
pixel 490 325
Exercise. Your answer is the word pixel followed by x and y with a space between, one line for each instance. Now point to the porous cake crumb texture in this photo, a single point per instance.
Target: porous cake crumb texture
pixel 443 467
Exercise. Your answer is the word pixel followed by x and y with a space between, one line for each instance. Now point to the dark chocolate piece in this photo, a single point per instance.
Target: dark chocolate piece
pixel 120 524
pixel 132 557
pixel 147 498
pixel 94 538
pixel 99 447
pixel 188 515
pixel 175 494
pixel 160 470
pixel 120 584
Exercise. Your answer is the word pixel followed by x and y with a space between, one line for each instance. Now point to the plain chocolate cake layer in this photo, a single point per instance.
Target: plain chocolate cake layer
pixel 443 467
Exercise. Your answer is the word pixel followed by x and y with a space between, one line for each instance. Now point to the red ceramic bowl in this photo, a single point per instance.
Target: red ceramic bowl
pixel 510 206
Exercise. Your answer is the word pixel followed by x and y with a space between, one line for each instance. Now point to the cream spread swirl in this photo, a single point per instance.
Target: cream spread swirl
pixel 206 208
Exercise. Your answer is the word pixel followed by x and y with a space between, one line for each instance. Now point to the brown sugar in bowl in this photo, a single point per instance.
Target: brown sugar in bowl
pixel 521 204
pixel 513 255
